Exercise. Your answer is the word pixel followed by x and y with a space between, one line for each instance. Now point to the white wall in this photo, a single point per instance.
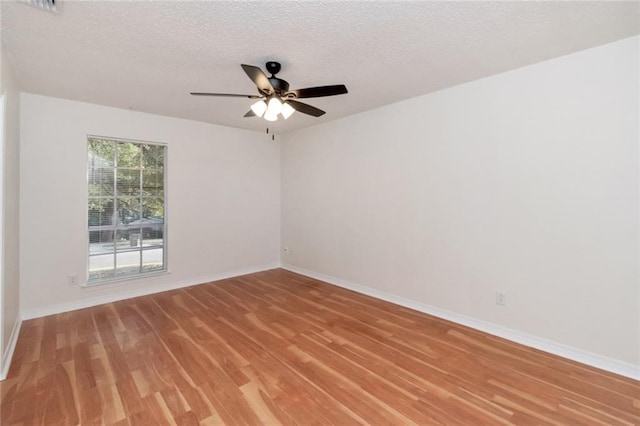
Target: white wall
pixel 10 157
pixel 223 200
pixel 525 182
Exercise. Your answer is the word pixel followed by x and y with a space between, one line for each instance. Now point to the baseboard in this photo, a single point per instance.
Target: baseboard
pixel 594 360
pixel 8 353
pixel 27 314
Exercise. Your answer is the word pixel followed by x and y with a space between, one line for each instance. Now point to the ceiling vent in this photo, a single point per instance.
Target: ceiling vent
pixel 49 5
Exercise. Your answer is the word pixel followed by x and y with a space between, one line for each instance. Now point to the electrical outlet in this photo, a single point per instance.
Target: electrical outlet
pixel 501 298
pixel 72 280
pixel 286 250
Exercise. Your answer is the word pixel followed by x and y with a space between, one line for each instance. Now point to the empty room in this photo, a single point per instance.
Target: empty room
pixel 319 212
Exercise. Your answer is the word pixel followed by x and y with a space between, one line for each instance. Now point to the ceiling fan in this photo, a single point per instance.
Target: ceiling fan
pixel 275 96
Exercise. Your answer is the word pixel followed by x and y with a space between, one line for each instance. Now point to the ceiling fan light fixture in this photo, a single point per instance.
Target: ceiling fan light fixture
pixel 259 108
pixel 274 107
pixel 287 110
pixel 270 117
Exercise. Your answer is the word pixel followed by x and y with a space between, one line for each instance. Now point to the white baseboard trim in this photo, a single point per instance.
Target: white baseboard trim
pixel 27 314
pixel 594 360
pixel 8 353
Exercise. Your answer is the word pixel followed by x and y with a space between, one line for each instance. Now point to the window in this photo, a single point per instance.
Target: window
pixel 126 208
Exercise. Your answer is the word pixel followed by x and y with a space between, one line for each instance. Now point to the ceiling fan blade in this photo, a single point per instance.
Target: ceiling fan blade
pixel 250 113
pixel 305 108
pixel 320 91
pixel 259 78
pixel 230 95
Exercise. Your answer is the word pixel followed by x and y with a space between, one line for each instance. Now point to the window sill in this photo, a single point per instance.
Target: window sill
pixel 121 280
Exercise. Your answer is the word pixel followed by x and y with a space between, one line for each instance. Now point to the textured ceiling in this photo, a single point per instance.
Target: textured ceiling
pixel 148 56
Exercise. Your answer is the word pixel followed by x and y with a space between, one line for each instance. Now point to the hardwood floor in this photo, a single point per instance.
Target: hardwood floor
pixel 279 348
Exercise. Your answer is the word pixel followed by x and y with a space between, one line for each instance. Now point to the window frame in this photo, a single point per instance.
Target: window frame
pixel 115 227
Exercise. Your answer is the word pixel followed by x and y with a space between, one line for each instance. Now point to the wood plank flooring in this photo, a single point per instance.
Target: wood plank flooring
pixel 279 348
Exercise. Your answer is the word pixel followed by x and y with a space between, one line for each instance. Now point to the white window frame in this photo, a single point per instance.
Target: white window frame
pixel 141 249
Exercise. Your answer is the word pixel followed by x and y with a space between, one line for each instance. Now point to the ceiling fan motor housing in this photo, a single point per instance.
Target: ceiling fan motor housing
pixel 280 85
